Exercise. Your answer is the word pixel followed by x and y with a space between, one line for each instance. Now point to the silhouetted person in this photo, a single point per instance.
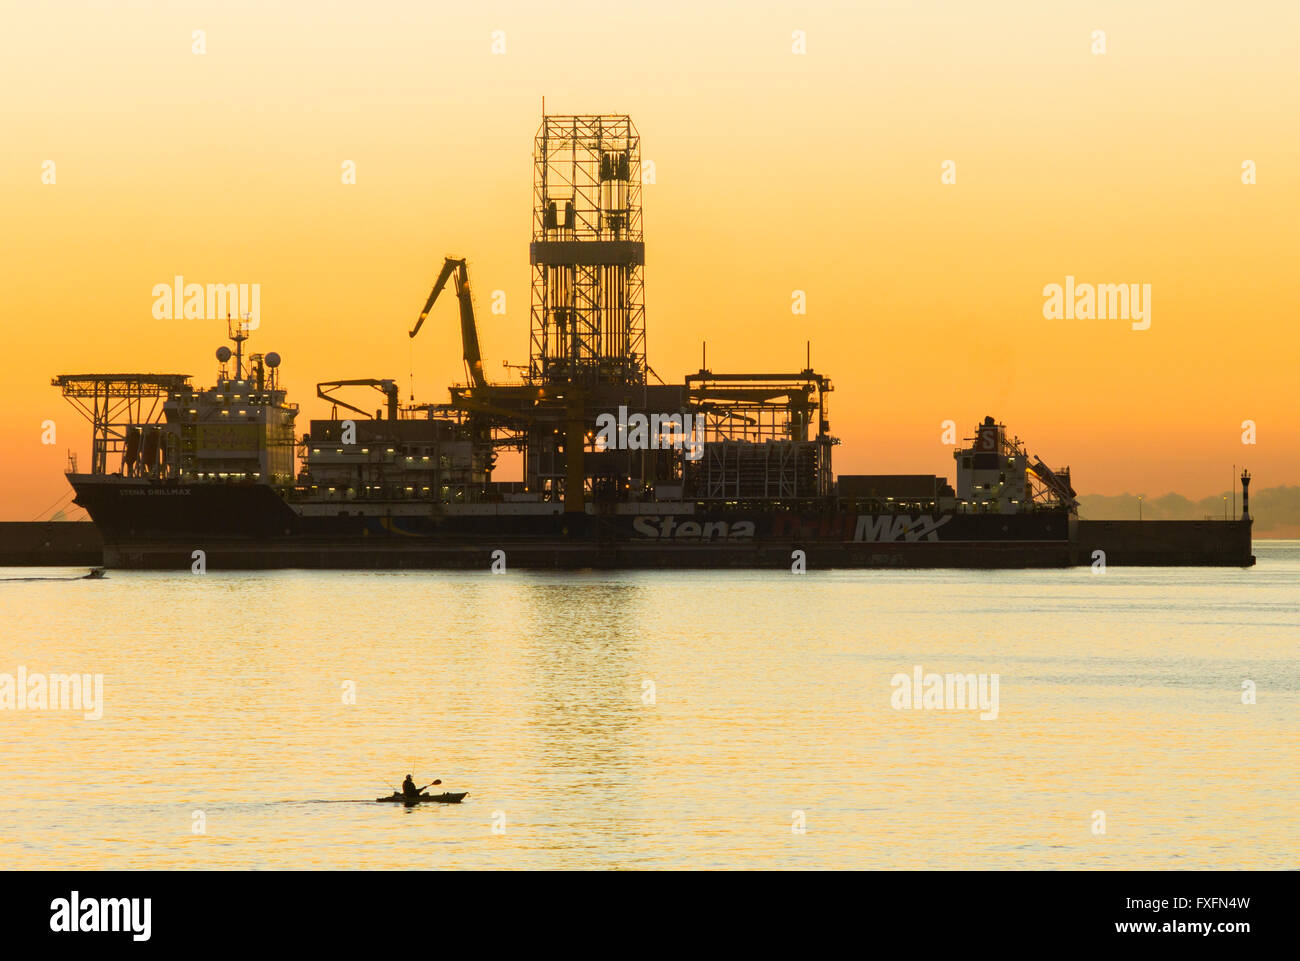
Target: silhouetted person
pixel 409 789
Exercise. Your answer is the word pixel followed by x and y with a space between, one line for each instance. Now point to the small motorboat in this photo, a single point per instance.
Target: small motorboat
pixel 397 798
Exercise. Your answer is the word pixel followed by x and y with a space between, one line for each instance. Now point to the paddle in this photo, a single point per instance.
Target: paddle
pixel 421 790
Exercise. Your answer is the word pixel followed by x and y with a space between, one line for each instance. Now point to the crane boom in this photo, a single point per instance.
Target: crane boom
pixel 386 387
pixel 457 268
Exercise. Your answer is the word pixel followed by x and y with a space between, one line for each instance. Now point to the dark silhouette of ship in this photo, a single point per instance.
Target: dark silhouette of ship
pixel 620 469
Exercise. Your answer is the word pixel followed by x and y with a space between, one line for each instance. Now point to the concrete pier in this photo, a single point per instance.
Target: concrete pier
pixel 1166 543
pixel 50 543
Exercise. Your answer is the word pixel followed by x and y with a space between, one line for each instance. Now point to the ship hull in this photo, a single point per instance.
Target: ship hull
pixel 563 555
pixel 249 526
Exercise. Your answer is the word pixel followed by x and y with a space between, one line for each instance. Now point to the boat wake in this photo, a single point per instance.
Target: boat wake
pixel 95 575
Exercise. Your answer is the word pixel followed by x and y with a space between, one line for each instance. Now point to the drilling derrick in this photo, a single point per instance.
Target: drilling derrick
pixel 587 253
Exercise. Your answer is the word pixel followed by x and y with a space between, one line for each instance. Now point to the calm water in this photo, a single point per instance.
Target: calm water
pixel 1118 693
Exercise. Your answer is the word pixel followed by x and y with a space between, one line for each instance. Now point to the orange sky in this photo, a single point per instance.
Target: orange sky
pixel 774 171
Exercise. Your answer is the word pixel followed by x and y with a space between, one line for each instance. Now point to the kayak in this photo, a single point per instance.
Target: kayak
pixel 438 798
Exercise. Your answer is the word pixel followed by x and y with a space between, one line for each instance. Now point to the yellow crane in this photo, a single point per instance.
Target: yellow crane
pixel 456 267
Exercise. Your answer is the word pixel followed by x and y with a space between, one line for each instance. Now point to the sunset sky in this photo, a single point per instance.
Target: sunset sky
pixel 775 172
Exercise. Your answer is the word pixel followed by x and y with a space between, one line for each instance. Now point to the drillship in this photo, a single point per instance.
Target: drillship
pixel 720 470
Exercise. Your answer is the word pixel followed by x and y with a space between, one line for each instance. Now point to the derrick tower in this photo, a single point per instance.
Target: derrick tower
pixel 587 253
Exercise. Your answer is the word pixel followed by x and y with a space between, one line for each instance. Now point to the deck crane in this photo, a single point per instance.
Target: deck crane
pixel 468 330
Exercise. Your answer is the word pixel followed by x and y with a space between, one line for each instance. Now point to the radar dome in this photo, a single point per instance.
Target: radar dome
pixel 223 353
pixel 272 359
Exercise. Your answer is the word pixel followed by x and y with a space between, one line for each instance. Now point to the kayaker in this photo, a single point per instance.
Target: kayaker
pixel 409 789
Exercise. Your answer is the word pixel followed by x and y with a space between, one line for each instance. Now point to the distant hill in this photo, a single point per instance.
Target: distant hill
pixel 1276 509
